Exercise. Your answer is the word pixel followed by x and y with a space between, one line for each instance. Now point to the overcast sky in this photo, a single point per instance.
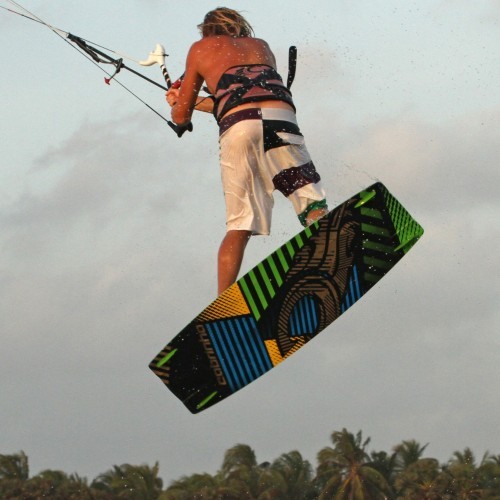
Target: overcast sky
pixel 110 225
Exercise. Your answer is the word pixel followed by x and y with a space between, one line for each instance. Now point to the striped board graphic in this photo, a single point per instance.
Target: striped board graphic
pixel 287 299
pixel 237 344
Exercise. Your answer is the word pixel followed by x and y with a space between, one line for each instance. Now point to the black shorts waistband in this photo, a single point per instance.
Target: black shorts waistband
pixel 238 116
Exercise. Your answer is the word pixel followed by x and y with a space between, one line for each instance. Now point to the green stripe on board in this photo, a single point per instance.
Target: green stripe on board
pixel 372 245
pixel 290 249
pixel 267 281
pixel 372 261
pixel 371 212
pixel 206 400
pixel 275 271
pixel 370 228
pixel 282 259
pixel 308 232
pixel 165 359
pixel 299 240
pixel 258 289
pixel 248 295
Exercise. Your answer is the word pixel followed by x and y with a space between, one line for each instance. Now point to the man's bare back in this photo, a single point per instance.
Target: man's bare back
pixel 207 61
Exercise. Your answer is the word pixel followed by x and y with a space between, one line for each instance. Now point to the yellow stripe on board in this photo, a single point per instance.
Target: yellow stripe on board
pixel 274 352
pixel 230 303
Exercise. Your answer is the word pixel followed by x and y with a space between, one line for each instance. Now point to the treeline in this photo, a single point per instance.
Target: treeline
pixel 344 470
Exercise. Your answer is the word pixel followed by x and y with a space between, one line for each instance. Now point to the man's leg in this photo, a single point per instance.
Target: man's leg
pixel 230 257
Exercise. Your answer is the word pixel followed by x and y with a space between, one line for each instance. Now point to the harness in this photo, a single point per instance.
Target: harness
pixel 253 83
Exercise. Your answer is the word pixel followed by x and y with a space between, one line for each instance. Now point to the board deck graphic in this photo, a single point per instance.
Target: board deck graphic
pixel 287 299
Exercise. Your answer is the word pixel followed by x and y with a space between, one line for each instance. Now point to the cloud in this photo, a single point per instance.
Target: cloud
pixel 114 171
pixel 90 243
pixel 445 167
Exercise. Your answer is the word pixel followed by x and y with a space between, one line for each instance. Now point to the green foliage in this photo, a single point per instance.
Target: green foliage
pixel 345 470
pixel 130 482
pixel 53 484
pixel 407 453
pixel 14 467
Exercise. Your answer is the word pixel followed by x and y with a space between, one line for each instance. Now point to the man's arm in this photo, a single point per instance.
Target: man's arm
pixel 187 97
pixel 203 103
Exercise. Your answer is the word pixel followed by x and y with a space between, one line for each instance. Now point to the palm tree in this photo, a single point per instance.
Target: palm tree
pixel 385 463
pixel 422 480
pixel 272 483
pixel 239 471
pixel 14 473
pixel 198 486
pixel 407 453
pixel 59 486
pixel 239 478
pixel 296 476
pixel 488 473
pixel 130 481
pixel 287 478
pixel 344 471
pixel 495 459
pixel 464 477
pixel 239 457
pixel 14 466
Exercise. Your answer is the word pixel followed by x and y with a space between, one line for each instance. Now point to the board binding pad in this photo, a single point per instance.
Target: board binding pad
pixel 287 299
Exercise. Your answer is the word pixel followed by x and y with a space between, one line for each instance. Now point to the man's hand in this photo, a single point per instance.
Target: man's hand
pixel 172 96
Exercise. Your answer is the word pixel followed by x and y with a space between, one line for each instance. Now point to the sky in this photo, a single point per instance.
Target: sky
pixel 110 225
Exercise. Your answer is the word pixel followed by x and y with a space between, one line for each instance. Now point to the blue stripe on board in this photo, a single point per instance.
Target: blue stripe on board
pixel 351 288
pixel 242 354
pixel 248 327
pixel 250 356
pixel 353 291
pixel 309 312
pixel 356 281
pixel 304 317
pixel 243 348
pixel 223 356
pixel 313 318
pixel 236 360
pixel 240 360
pixel 257 352
pixel 230 355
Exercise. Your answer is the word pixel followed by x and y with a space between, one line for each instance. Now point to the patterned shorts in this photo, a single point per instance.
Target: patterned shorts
pixel 262 150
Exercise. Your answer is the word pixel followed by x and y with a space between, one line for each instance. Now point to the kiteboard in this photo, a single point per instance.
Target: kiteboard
pixel 287 299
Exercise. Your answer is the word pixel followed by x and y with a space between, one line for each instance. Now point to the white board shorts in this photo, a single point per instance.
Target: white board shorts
pixel 262 150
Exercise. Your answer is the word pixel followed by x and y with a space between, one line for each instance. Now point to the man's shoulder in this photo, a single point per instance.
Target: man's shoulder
pixel 201 47
pixel 213 42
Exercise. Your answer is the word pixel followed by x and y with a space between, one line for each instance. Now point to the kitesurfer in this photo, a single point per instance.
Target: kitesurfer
pixel 261 146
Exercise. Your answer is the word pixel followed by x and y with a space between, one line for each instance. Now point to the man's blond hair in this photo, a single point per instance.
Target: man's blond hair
pixel 224 21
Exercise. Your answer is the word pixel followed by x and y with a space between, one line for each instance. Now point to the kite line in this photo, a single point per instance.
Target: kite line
pixel 97 57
